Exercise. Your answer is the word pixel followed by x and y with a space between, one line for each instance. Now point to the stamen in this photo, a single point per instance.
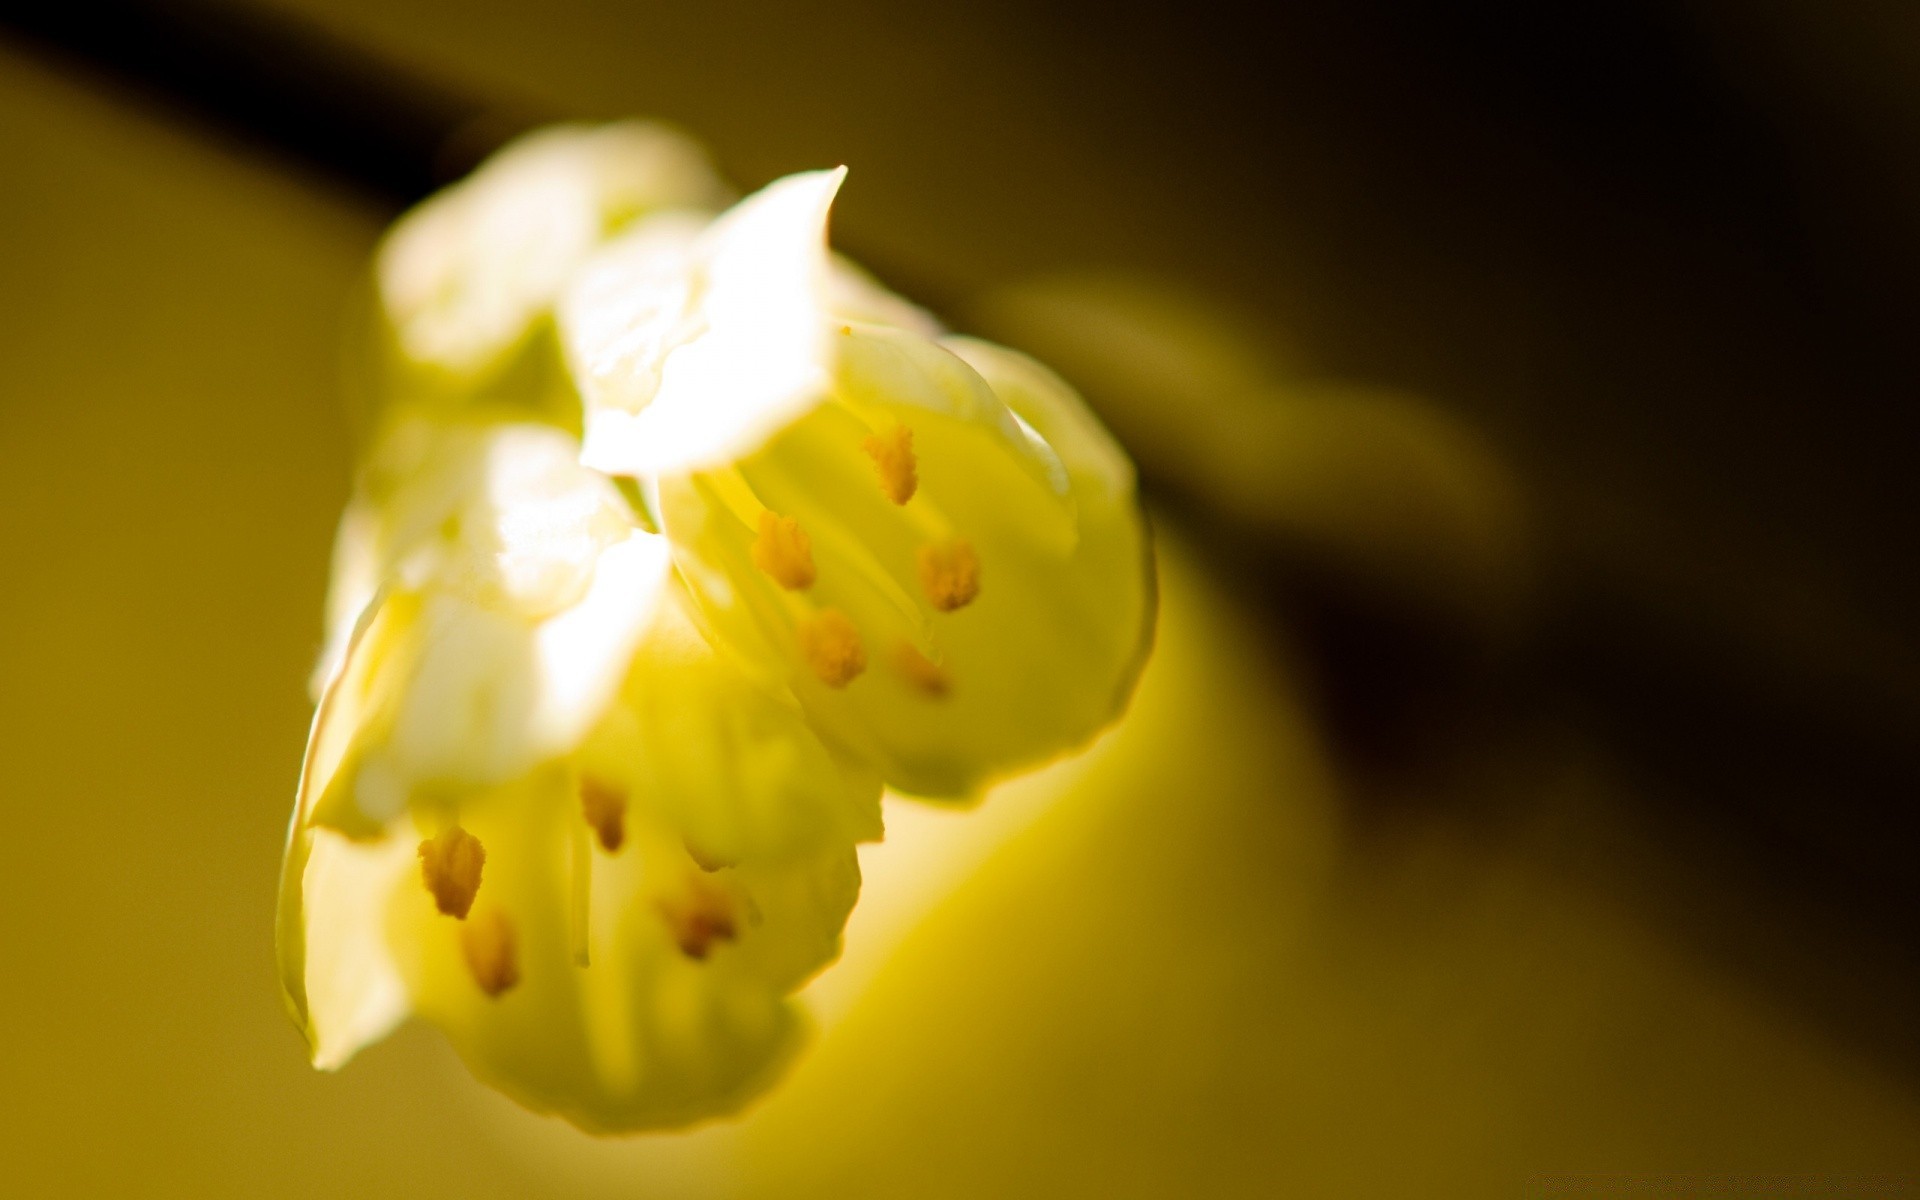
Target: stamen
pixel 784 551
pixel 699 917
pixel 921 671
pixel 605 808
pixel 450 866
pixel 705 859
pixel 831 646
pixel 579 896
pixel 892 454
pixel 950 573
pixel 492 951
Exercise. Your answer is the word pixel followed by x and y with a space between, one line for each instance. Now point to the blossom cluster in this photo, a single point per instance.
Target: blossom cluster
pixel 677 540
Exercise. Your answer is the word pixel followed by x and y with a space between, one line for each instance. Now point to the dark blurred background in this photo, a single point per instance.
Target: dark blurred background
pixel 1542 375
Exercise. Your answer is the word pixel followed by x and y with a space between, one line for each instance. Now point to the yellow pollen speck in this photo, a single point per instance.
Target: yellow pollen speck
pixel 450 866
pixel 950 574
pixel 784 551
pixel 699 917
pixel 920 671
pixel 892 454
pixel 492 951
pixel 605 808
pixel 831 646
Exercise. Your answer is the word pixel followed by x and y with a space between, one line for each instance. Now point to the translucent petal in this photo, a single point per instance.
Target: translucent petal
pixel 719 350
pixel 502 513
pixel 339 979
pixel 458 695
pixel 630 306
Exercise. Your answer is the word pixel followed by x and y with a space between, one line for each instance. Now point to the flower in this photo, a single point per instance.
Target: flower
pixel 928 538
pixel 540 811
pixel 599 724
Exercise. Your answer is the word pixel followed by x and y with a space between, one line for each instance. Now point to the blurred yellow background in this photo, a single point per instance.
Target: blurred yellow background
pixel 1189 964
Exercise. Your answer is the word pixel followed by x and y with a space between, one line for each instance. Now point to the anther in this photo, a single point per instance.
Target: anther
pixel 699 917
pixel 831 647
pixel 450 866
pixel 922 672
pixel 892 454
pixel 492 951
pixel 605 808
pixel 784 551
pixel 950 573
pixel 705 859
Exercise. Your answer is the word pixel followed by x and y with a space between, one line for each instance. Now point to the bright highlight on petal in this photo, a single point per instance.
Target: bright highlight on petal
pixel 600 719
pixel 734 340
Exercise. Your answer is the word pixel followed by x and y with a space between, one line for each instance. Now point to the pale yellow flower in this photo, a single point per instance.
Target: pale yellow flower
pixel 600 723
pixel 929 539
pixel 541 812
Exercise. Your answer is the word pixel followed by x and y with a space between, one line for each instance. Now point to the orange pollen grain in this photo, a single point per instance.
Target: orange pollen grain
pixel 950 573
pixel 831 647
pixel 922 672
pixel 605 808
pixel 699 917
pixel 450 866
pixel 892 455
pixel 492 950
pixel 784 551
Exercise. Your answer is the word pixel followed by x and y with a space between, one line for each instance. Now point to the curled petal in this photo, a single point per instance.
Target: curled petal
pixel 340 981
pixel 719 345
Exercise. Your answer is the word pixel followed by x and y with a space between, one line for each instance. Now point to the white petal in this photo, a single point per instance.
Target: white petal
pixel 756 352
pixel 582 654
pixel 493 695
pixel 350 990
pixel 628 307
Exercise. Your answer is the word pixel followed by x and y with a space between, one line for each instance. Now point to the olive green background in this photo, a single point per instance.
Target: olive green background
pixel 1210 959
